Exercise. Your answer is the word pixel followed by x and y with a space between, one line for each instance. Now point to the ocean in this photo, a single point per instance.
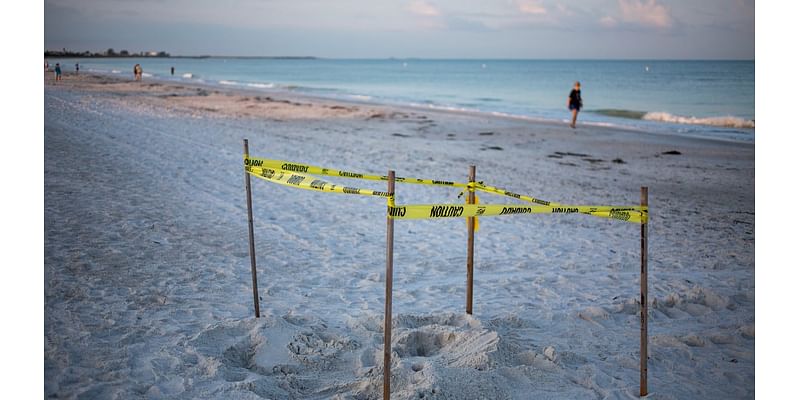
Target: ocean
pixel 709 99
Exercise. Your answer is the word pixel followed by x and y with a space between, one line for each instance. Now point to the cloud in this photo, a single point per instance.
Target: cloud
pixel 422 7
pixel 563 9
pixel 457 23
pixel 531 7
pixel 645 13
pixel 608 22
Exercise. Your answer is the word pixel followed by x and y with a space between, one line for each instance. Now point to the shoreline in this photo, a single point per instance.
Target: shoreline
pixel 286 95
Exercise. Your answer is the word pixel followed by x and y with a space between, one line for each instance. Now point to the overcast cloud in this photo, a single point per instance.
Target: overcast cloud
pixel 414 28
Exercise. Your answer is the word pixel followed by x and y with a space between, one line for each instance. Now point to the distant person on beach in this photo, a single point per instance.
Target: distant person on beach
pixel 137 72
pixel 58 72
pixel 172 70
pixel 46 66
pixel 77 68
pixel 575 103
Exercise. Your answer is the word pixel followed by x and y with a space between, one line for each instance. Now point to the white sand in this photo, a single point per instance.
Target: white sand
pixel 147 276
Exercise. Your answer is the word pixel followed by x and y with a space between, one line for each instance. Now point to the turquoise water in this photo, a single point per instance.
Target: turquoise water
pixel 714 99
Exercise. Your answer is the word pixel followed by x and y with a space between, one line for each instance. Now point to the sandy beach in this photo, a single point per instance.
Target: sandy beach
pixel 147 274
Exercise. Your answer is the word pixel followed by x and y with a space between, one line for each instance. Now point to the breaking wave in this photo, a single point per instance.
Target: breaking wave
pixel 262 85
pixel 727 121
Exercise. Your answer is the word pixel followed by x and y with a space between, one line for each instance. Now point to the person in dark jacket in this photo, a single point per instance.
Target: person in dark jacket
pixel 575 103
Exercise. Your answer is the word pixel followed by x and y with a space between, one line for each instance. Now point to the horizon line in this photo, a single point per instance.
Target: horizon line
pixel 422 58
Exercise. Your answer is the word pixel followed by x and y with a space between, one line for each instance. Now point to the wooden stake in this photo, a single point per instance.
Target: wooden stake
pixel 470 241
pixel 250 227
pixel 643 301
pixel 387 323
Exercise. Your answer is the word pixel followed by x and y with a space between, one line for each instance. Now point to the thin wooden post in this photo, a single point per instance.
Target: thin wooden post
pixel 470 240
pixel 250 231
pixel 387 323
pixel 643 300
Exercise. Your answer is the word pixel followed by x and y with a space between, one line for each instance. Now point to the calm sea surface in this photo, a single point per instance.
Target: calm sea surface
pixel 714 99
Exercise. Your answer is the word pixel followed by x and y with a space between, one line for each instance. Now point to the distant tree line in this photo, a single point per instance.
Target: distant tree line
pixel 108 53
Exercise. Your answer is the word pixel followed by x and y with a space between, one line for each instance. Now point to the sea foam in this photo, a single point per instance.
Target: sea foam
pixel 261 85
pixel 724 121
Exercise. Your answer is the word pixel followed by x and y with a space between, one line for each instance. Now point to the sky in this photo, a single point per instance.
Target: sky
pixel 597 29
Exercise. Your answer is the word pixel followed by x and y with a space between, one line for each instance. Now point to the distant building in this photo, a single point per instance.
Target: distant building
pixel 107 53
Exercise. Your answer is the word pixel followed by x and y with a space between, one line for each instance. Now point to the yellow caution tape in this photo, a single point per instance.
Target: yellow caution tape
pixel 287 166
pixel 491 189
pixel 636 214
pixel 303 181
pixel 475 224
pixel 316 170
pixel 298 175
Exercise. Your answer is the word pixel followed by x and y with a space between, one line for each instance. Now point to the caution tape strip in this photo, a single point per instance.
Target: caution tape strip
pixel 298 175
pixel 303 181
pixel 636 214
pixel 287 166
pixel 491 189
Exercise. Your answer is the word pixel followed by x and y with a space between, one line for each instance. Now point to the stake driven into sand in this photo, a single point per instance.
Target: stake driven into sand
pixel 643 300
pixel 470 240
pixel 250 235
pixel 387 323
pixel 295 175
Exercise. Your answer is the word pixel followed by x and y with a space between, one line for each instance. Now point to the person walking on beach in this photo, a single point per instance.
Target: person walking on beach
pixel 137 72
pixel 77 68
pixel 575 103
pixel 58 72
pixel 172 70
